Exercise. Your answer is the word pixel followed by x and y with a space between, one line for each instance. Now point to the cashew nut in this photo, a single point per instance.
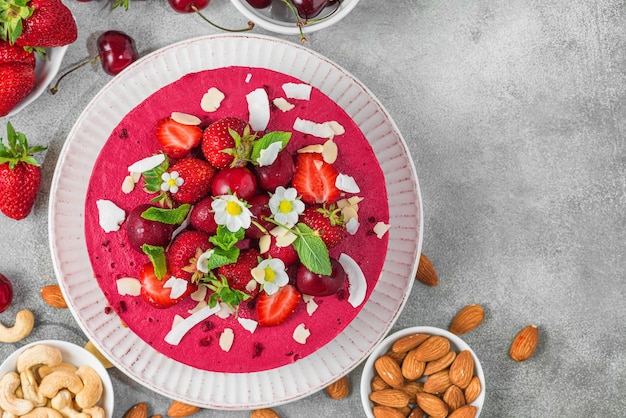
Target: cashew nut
pixel 62 402
pixel 43 412
pixel 92 390
pixel 8 401
pixel 40 354
pixel 30 388
pixel 24 323
pixel 61 379
pixel 95 412
pixel 7 414
pixel 45 370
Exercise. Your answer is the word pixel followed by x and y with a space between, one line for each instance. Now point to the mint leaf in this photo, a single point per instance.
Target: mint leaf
pixel 222 291
pixel 167 216
pixel 268 139
pixel 157 257
pixel 311 250
pixel 221 257
pixel 226 239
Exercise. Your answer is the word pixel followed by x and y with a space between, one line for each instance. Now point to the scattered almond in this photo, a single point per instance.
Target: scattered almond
pixel 467 319
pixel 438 382
pixel 386 412
pixel 52 296
pixel 389 370
pixel 408 342
pixel 433 348
pixel 426 272
pixel 472 390
pixel 432 405
pixel 467 411
pixel 139 410
pixel 439 364
pixel 525 343
pixel 393 398
pixel 462 369
pixel 454 397
pixel 264 413
pixel 180 409
pixel 339 389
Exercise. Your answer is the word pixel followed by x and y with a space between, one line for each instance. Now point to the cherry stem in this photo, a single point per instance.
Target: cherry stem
pixel 250 24
pixel 299 23
pixel 54 89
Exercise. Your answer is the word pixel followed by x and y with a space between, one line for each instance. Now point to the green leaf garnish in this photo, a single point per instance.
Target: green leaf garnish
pixel 311 250
pixel 167 216
pixel 226 239
pixel 156 255
pixel 222 257
pixel 223 292
pixel 267 140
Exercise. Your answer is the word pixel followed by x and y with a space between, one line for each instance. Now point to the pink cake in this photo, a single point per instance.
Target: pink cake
pixel 111 257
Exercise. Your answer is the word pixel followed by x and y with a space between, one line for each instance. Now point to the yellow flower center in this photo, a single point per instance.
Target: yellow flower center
pixel 285 206
pixel 233 208
pixel 171 182
pixel 269 274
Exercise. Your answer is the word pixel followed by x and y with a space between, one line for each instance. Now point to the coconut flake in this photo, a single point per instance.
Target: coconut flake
pixel 259 109
pixel 282 104
pixel 211 100
pixel 268 155
pixel 128 286
pixel 248 77
pixel 352 226
pixel 347 183
pixel 337 128
pixel 200 305
pixel 178 332
pixel 177 320
pixel 300 334
pixel 348 213
pixel 147 163
pixel 380 229
pixel 299 91
pixel 110 215
pixel 226 339
pixel 185 118
pixel 320 130
pixel 311 307
pixel 178 287
pixel 248 324
pixel 356 278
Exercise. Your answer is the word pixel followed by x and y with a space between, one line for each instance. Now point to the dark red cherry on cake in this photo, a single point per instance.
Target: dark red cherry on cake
pixel 6 293
pixel 117 51
pixel 259 4
pixel 202 217
pixel 142 231
pixel 279 173
pixel 239 181
pixel 308 9
pixel 315 284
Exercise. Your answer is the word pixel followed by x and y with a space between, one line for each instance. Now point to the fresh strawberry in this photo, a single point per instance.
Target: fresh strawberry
pixel 38 23
pixel 154 292
pixel 13 53
pixel 184 252
pixel 239 273
pixel 227 142
pixel 315 179
pixel 196 175
pixel 177 139
pixel 287 254
pixel 327 223
pixel 275 309
pixel 16 82
pixel 20 175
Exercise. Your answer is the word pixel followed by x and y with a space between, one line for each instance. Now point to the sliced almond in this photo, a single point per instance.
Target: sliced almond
pixel 185 118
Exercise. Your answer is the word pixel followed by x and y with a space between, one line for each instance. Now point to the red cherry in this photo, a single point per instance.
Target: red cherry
pixel 308 9
pixel 315 284
pixel 194 6
pixel 6 292
pixel 237 180
pixel 259 4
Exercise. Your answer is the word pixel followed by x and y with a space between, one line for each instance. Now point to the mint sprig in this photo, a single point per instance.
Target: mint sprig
pixel 311 250
pixel 167 216
pixel 223 292
pixel 225 239
pixel 156 255
pixel 268 139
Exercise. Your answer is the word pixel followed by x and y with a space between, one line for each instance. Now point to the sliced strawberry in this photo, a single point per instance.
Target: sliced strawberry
pixel 176 139
pixel 219 146
pixel 184 251
pixel 315 179
pixel 275 309
pixel 196 175
pixel 239 273
pixel 154 292
pixel 328 223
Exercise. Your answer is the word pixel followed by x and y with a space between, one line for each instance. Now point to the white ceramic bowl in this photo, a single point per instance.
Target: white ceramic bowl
pixel 456 344
pixel 279 19
pixel 75 355
pixel 45 71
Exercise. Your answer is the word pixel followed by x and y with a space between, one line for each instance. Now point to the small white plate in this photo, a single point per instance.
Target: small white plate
pixel 45 71
pixel 75 355
pixel 279 19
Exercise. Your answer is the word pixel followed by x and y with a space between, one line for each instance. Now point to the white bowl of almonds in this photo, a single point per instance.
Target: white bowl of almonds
pixel 55 379
pixel 421 371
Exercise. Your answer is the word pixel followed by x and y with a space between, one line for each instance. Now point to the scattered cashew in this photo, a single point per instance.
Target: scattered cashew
pixel 63 403
pixel 8 401
pixel 45 370
pixel 37 355
pixel 43 412
pixel 92 387
pixel 24 323
pixel 95 412
pixel 61 379
pixel 30 388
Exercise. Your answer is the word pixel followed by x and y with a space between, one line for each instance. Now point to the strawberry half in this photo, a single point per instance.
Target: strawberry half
pixel 314 179
pixel 153 290
pixel 275 309
pixel 184 252
pixel 177 139
pixel 20 175
pixel 223 149
pixel 16 82
pixel 38 23
pixel 239 273
pixel 196 175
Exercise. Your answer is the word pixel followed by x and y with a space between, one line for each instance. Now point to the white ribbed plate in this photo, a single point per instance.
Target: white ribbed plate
pixel 131 354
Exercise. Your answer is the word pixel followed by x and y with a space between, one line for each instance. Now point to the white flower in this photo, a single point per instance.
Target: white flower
pixel 286 206
pixel 203 261
pixel 171 182
pixel 271 274
pixel 231 212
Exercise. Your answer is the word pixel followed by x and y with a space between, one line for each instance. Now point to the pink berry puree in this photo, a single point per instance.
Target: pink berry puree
pixel 112 257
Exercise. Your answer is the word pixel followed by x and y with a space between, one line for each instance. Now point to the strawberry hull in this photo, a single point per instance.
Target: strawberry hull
pixel 112 258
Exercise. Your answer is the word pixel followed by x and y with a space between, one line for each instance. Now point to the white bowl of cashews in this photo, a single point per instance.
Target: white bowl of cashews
pixel 54 379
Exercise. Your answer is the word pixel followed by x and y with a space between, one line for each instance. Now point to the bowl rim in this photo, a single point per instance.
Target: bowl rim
pixel 72 350
pixel 290 28
pixel 368 368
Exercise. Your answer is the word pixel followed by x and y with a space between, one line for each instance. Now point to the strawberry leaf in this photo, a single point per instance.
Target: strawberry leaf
pixel 311 250
pixel 167 216
pixel 152 177
pixel 157 258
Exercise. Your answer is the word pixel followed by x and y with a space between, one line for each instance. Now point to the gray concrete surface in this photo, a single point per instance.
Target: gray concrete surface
pixel 515 114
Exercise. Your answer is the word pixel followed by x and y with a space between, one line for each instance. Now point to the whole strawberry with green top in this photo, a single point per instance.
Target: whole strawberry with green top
pixel 20 175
